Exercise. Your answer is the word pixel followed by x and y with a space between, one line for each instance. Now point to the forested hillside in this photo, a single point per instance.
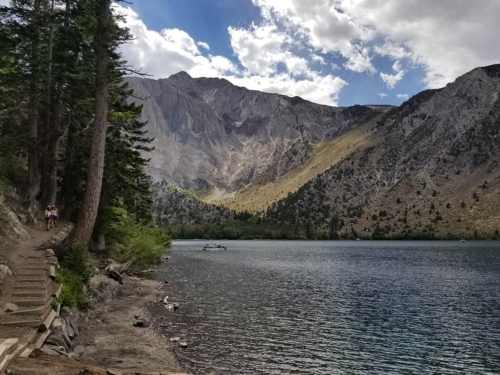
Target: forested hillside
pixel 68 135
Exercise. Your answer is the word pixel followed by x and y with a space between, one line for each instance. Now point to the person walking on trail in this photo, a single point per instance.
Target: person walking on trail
pixel 54 213
pixel 48 217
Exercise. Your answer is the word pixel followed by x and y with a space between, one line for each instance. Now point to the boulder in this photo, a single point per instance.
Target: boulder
pixel 23 218
pixel 4 271
pixel 79 350
pixel 10 307
pixel 141 324
pixel 69 329
pixel 74 327
pixel 56 340
pixel 89 350
pixel 65 312
pixel 60 330
pixel 183 344
pixel 104 289
pixel 175 339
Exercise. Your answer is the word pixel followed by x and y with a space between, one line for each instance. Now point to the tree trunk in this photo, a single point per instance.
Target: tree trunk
pixel 33 188
pixel 53 149
pixel 88 211
pixel 47 133
pixel 70 177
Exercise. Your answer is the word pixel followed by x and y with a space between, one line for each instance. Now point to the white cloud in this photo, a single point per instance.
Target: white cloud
pixel 392 79
pixel 323 27
pixel 204 45
pixel 318 59
pixel 403 96
pixel 446 37
pixel 259 49
pixel 382 94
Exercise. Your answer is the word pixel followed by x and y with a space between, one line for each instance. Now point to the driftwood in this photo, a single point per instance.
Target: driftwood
pixel 117 267
pixel 114 269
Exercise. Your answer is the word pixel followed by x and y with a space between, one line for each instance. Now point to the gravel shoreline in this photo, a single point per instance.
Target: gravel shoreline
pixel 109 337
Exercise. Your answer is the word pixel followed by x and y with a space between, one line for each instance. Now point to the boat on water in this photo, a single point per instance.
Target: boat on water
pixel 462 240
pixel 216 246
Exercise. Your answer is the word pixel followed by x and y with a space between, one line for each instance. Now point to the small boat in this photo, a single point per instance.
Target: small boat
pixel 462 240
pixel 209 246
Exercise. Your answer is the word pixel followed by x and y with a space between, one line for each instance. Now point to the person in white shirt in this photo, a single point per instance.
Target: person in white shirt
pixel 54 212
pixel 48 217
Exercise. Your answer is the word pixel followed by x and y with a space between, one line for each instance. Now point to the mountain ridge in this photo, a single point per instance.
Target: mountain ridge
pixel 436 173
pixel 211 135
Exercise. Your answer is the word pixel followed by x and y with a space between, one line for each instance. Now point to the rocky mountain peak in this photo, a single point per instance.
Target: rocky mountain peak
pixel 212 134
pixel 181 76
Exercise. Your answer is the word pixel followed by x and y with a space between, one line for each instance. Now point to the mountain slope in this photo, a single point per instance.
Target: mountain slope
pixel 258 197
pixel 435 173
pixel 214 136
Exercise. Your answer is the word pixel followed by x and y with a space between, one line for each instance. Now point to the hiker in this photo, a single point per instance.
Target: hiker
pixel 48 217
pixel 54 212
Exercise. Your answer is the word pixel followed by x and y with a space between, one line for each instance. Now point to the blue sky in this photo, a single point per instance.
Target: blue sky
pixel 336 52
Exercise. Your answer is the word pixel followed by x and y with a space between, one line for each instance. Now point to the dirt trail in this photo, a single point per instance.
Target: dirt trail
pixel 106 327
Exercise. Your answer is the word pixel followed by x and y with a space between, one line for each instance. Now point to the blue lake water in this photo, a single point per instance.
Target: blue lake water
pixel 348 307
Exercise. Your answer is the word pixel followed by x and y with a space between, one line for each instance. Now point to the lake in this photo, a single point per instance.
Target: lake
pixel 335 307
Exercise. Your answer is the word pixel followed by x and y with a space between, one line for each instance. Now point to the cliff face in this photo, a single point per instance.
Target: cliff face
pixel 211 134
pixel 436 172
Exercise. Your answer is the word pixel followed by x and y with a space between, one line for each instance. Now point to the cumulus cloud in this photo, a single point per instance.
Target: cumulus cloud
pixel 382 95
pixel 323 27
pixel 299 46
pixel 203 45
pixel 259 49
pixel 446 38
pixel 403 96
pixel 392 79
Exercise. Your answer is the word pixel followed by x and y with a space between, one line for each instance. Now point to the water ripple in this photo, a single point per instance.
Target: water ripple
pixel 269 307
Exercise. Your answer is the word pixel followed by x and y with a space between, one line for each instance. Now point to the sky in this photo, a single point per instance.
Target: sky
pixel 334 52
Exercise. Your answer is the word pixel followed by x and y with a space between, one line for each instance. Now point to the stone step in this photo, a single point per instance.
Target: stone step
pixel 40 273
pixel 35 261
pixel 30 293
pixel 40 310
pixel 23 321
pixel 31 302
pixel 30 278
pixel 33 267
pixel 31 286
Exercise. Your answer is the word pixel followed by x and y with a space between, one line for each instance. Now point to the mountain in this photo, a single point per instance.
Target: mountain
pixel 219 138
pixel 435 171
